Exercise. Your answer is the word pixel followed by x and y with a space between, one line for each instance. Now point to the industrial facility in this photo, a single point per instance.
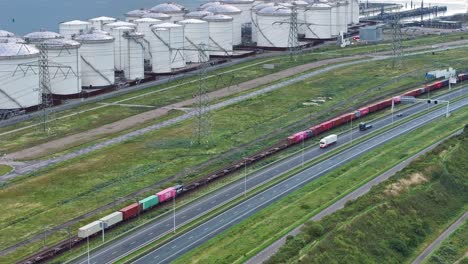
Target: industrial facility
pixel 104 52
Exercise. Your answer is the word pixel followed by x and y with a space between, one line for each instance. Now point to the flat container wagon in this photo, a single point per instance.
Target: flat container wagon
pixel 130 211
pixel 149 202
pixel 166 194
pixel 89 229
pixel 112 219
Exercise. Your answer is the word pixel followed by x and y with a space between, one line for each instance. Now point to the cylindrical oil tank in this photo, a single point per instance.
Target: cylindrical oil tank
pixel 196 36
pixel 253 15
pixel 144 27
pixel 272 33
pixel 133 15
pixel 320 19
pixel 160 48
pixel 244 6
pixel 176 11
pixel 116 29
pixel 134 67
pixel 220 27
pixel 158 16
pixel 12 40
pixel 75 27
pixel 355 13
pixel 334 19
pixel 176 43
pixel 233 12
pixel 197 14
pixel 19 85
pixel 6 34
pixel 208 4
pixel 342 16
pixel 65 52
pixel 97 60
pixel 39 36
pixel 99 22
pixel 301 7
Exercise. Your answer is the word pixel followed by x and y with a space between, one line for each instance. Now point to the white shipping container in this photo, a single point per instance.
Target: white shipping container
pixel 89 229
pixel 112 219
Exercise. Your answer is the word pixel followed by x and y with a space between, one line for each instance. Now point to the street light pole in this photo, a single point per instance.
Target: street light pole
pixel 302 151
pixel 393 106
pixel 87 239
pixel 245 177
pixel 173 204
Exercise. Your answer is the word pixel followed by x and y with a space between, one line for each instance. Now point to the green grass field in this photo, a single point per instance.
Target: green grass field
pixel 58 194
pixel 453 249
pixel 220 78
pixel 4 169
pixel 250 236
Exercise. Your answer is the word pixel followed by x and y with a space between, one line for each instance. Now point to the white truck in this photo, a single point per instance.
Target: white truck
pixel 327 141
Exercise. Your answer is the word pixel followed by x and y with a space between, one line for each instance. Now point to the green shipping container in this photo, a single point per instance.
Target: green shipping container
pixel 149 202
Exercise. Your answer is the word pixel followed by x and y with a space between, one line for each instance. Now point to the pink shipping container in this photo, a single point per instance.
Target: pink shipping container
pixel 166 194
pixel 397 99
pixel 364 111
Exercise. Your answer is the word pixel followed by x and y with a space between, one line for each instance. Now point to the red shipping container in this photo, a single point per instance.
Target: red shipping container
pixel 130 211
pixel 327 125
pixel 317 130
pixel 364 111
pixel 397 99
pixel 348 117
pixel 166 194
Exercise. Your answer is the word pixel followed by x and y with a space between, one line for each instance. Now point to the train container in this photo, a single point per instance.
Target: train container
pixel 112 219
pixel 166 194
pixel 130 211
pixel 463 76
pixel 348 117
pixel 363 111
pixel 415 92
pixel 89 229
pixel 296 138
pixel 317 130
pixel 328 140
pixel 327 125
pixel 180 188
pixel 149 202
pixel 397 99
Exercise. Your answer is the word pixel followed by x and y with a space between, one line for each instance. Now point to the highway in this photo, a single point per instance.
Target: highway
pixel 121 247
pixel 182 244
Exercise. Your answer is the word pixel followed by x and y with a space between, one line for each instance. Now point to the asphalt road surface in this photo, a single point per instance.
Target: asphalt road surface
pixel 441 238
pixel 121 247
pixel 269 251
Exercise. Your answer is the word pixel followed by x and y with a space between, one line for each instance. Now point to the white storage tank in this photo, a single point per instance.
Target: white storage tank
pixel 233 12
pixel 158 16
pixel 112 219
pixel 355 11
pixel 134 66
pixel 253 14
pixel 220 28
pixel 197 14
pixel 176 44
pixel 75 27
pixel 6 34
pixel 196 35
pixel 97 60
pixel 335 21
pixel 18 89
pixel 39 36
pixel 99 22
pixel 160 48
pixel 208 4
pixel 144 27
pixel 89 229
pixel 244 6
pixel 175 10
pixel 133 15
pixel 271 33
pixel 65 52
pixel 342 16
pixel 116 29
pixel 301 7
pixel 320 17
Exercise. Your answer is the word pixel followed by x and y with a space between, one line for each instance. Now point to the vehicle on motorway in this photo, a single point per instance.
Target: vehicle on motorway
pixel 364 126
pixel 144 205
pixel 328 140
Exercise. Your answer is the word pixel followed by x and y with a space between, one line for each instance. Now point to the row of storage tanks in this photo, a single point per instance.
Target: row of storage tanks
pixel 165 37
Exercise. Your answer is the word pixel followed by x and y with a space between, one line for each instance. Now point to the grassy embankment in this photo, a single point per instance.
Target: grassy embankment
pixel 4 169
pixel 396 220
pixel 184 89
pixel 247 238
pixel 453 249
pixel 97 178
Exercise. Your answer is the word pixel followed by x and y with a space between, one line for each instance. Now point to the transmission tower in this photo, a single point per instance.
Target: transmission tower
pixel 397 47
pixel 293 43
pixel 202 129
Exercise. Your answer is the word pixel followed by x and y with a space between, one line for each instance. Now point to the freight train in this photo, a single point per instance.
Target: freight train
pixel 135 209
